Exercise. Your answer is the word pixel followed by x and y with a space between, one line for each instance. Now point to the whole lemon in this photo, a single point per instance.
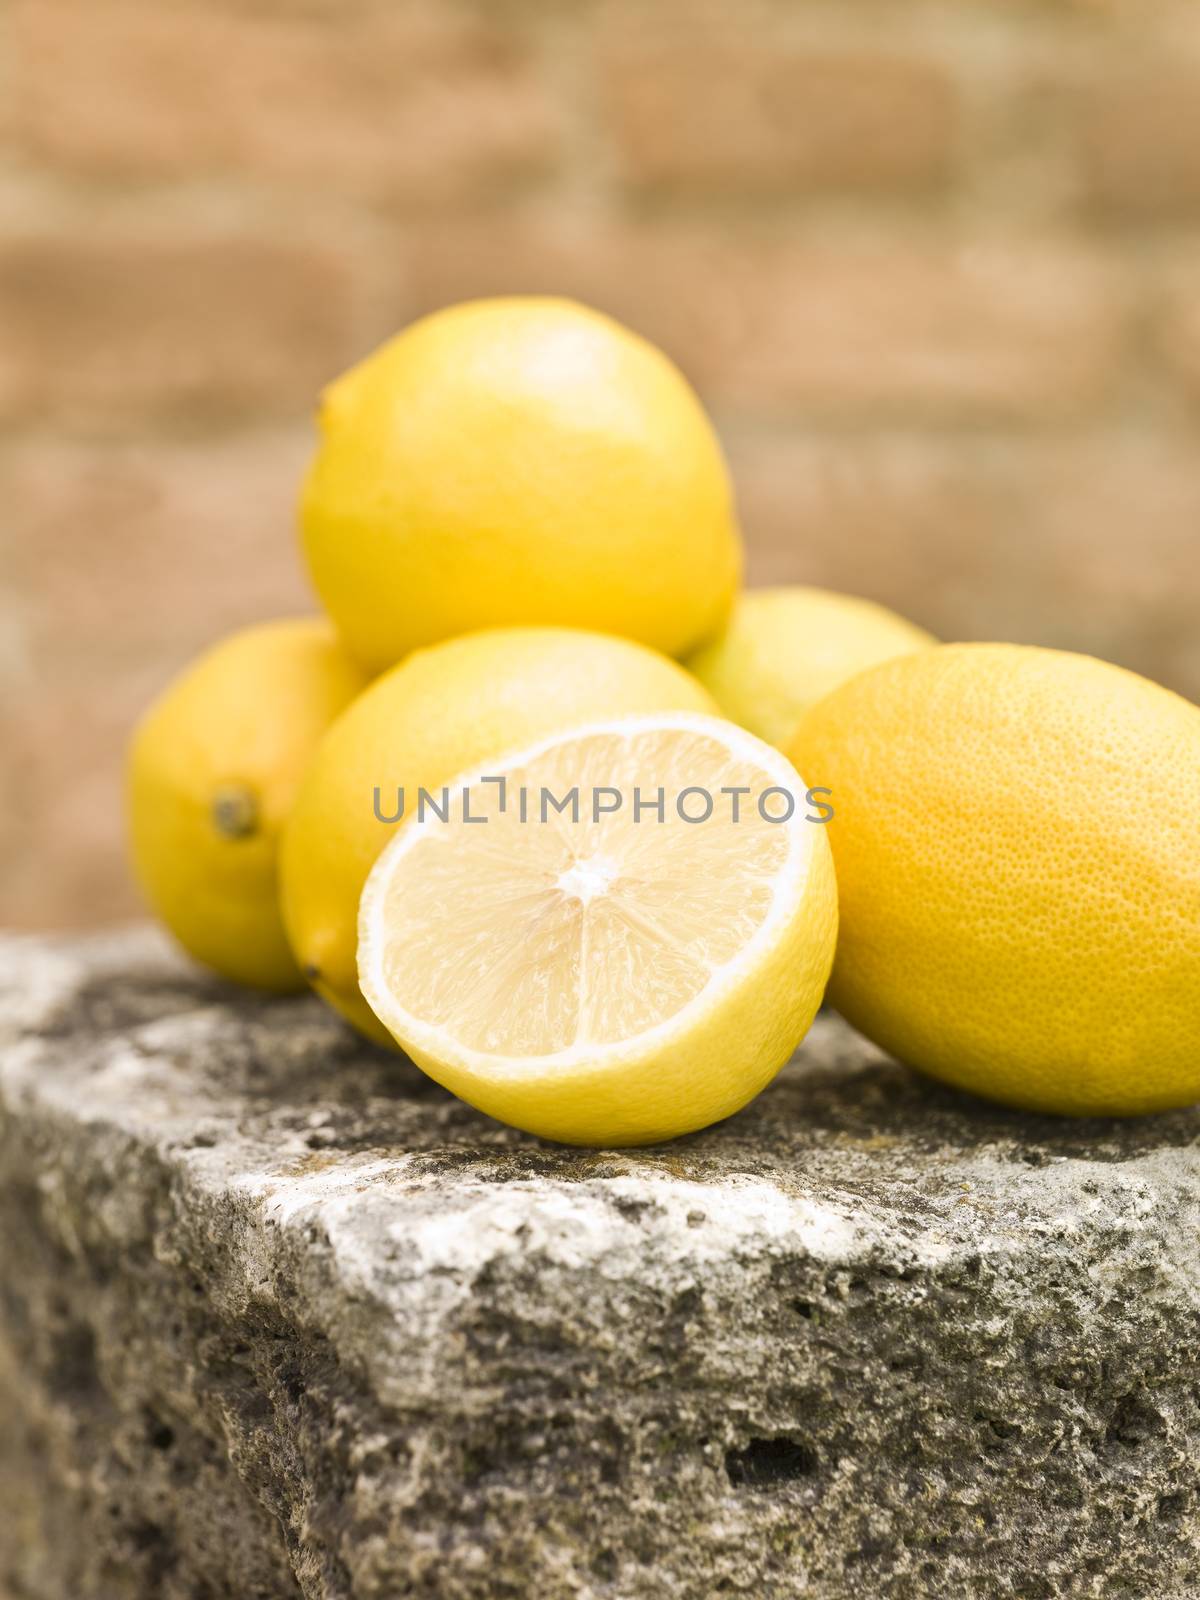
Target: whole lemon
pixel 784 649
pixel 518 461
pixel 1017 844
pixel 439 712
pixel 213 769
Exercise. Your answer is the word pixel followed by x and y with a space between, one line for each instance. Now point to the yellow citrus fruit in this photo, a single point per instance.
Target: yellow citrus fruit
pixel 518 461
pixel 784 649
pixel 1017 842
pixel 213 769
pixel 442 710
pixel 597 972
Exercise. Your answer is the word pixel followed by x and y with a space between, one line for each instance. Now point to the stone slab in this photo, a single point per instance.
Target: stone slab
pixel 279 1317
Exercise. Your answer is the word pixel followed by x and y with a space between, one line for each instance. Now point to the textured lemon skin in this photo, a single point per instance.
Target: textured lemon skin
pixel 438 713
pixel 239 727
pixel 518 461
pixel 786 648
pixel 707 1072
pixel 1017 843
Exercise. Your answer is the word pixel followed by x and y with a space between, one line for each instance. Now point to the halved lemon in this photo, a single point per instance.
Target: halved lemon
pixel 615 936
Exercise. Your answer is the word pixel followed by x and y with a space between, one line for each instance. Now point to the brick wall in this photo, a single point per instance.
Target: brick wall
pixel 933 264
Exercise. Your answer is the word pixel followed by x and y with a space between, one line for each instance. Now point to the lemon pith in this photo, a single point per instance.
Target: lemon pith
pixel 514 462
pixel 438 712
pixel 1017 841
pixel 600 977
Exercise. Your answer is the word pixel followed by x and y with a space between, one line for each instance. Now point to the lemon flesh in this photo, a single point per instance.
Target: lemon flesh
pixel 786 648
pixel 600 976
pixel 518 461
pixel 213 769
pixel 440 711
pixel 1017 841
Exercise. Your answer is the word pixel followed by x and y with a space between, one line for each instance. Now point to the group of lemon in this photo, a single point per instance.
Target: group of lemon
pixel 520 524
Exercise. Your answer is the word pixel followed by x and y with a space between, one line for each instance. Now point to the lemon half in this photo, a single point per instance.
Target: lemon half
pixel 597 974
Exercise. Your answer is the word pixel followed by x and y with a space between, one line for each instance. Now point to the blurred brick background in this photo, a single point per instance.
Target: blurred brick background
pixel 932 263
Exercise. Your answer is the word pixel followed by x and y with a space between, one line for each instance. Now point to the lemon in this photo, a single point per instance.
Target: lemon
pixel 213 769
pixel 518 461
pixel 1017 842
pixel 595 972
pixel 440 711
pixel 784 649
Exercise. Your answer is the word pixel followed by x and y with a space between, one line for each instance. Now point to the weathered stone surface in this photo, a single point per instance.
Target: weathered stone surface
pixel 280 1317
